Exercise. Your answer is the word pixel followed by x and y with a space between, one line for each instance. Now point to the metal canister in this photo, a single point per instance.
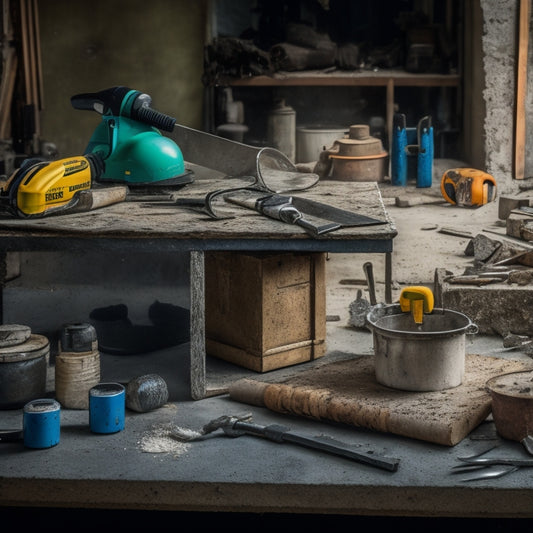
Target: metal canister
pixel 281 129
pixel 77 365
pixel 107 406
pixel 23 371
pixel 41 423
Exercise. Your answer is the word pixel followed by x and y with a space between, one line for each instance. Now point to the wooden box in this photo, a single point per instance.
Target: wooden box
pixel 265 310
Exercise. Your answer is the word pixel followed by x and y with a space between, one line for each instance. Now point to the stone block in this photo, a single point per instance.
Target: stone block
pixel 497 309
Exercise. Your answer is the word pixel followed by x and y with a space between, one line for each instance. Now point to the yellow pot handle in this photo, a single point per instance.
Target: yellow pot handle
pixel 417 299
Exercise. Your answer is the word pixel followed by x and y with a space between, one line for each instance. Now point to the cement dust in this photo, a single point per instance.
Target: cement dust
pixel 159 440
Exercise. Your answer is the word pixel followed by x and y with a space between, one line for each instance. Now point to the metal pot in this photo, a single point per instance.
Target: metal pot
pixel 512 404
pixel 419 357
pixel 360 157
pixel 23 369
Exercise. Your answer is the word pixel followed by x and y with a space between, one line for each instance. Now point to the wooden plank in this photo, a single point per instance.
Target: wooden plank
pixel 521 90
pixel 198 368
pixel 346 78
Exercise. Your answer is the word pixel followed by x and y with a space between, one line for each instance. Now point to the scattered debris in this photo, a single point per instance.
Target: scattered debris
pixel 429 227
pixel 472 280
pixel 456 232
pixel 409 201
pixel 523 258
pixel 358 310
pixel 507 204
pixel 352 282
pixel 482 248
pixel 521 277
pixel 515 341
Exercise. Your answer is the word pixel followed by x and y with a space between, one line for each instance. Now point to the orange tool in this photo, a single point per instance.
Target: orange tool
pixel 468 187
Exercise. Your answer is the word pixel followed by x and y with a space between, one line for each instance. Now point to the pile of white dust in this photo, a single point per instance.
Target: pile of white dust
pixel 159 440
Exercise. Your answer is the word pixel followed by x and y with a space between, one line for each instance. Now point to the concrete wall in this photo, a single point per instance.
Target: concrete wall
pixel 155 47
pixel 499 48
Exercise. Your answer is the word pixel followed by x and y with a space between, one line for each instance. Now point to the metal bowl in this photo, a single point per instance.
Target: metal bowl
pixel 512 404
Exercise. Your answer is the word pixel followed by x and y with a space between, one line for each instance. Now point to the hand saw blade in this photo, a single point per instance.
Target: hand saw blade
pixel 216 153
pixel 325 211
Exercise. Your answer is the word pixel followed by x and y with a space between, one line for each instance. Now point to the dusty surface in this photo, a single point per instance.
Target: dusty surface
pixel 515 384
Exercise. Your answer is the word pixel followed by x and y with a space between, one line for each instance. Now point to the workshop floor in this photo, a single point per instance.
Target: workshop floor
pixel 419 247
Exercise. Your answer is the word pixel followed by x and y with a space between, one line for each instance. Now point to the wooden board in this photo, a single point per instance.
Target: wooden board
pixel 347 392
pixel 521 89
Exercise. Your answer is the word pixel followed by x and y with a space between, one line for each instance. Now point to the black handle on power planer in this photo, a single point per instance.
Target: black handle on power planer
pixel 125 102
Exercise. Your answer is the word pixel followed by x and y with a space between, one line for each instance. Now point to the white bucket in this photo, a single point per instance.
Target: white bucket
pixel 310 141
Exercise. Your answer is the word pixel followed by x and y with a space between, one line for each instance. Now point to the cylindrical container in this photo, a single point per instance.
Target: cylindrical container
pixel 41 423
pixel 77 365
pixel 23 369
pixel 79 337
pixel 281 129
pixel 75 374
pixel 419 357
pixel 512 404
pixel 311 141
pixel 107 407
pixel 360 157
pixel 365 168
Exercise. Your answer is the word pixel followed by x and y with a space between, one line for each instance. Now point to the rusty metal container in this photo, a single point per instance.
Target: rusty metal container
pixel 23 371
pixel 359 157
pixel 512 404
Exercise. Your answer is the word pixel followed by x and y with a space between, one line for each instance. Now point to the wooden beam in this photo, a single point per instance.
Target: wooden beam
pixel 521 90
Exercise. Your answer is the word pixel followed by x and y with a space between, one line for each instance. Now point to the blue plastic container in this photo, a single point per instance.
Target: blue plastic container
pixel 41 423
pixel 107 407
